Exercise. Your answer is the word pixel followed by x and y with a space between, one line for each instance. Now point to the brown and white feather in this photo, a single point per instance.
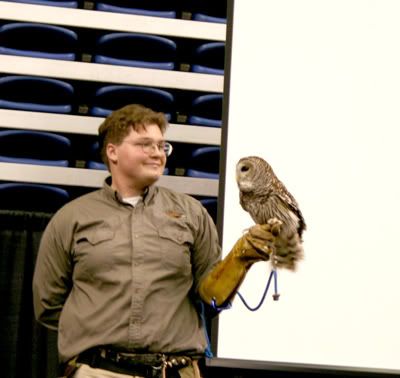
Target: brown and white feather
pixel 267 200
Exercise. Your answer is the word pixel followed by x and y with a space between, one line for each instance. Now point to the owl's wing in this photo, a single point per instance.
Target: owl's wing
pixel 286 197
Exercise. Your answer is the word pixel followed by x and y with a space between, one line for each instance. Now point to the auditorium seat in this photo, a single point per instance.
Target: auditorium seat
pixel 112 97
pixel 53 3
pixel 94 159
pixel 152 8
pixel 38 41
pixel 204 163
pixel 32 197
pixel 206 110
pixel 91 164
pixel 211 205
pixel 208 10
pixel 34 147
pixel 209 58
pixel 207 18
pixel 36 94
pixel 136 50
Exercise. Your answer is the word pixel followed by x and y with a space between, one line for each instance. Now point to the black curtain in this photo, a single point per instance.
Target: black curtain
pixel 26 348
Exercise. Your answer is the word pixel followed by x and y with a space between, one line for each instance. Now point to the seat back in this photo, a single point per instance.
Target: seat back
pixel 32 197
pixel 94 159
pixel 36 94
pixel 204 163
pixel 208 10
pixel 206 110
pixel 38 41
pixel 34 147
pixel 209 58
pixel 152 8
pixel 136 50
pixel 113 97
pixel 52 3
pixel 211 205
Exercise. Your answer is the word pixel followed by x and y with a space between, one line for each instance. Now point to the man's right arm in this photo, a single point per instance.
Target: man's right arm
pixel 52 276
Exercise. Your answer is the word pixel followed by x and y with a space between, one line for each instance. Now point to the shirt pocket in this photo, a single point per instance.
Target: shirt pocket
pixel 94 251
pixel 176 241
pixel 95 236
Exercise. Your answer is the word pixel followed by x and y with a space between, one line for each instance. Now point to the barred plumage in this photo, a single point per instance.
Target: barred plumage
pixel 267 200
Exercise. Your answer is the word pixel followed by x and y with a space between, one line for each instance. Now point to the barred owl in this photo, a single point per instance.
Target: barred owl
pixel 267 200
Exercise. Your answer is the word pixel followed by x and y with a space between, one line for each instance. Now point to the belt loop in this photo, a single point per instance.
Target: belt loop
pixel 196 368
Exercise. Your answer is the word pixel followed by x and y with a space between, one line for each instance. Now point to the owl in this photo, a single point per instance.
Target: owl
pixel 267 200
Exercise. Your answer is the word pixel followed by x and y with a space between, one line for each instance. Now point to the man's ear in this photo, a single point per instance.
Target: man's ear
pixel 111 151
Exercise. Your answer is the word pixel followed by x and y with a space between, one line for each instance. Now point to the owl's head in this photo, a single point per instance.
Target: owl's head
pixel 253 172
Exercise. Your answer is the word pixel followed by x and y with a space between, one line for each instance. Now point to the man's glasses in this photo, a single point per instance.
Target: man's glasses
pixel 149 147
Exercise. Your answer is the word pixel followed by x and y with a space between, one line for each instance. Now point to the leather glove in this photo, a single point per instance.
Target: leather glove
pixel 222 283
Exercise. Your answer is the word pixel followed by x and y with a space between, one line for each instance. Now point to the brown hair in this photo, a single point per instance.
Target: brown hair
pixel 121 121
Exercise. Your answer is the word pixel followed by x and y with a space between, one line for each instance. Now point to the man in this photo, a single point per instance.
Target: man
pixel 120 269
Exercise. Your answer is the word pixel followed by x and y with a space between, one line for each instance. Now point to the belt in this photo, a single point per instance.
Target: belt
pixel 136 364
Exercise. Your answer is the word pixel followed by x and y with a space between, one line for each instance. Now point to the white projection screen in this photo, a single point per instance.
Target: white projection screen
pixel 313 87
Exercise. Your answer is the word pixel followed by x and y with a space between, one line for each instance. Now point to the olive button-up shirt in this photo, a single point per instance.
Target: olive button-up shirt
pixel 108 273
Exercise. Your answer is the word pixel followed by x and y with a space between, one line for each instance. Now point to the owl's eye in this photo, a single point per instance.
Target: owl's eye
pixel 244 168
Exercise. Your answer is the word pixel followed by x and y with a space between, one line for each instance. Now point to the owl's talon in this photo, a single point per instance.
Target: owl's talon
pixel 275 226
pixel 266 249
pixel 274 222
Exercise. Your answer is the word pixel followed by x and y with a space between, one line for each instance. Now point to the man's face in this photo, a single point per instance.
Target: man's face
pixel 134 162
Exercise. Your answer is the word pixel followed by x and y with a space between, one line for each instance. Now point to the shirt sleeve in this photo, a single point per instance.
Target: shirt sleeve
pixel 207 250
pixel 53 271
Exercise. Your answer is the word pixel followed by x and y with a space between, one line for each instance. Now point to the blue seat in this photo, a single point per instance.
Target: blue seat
pixel 136 50
pixel 36 94
pixel 152 8
pixel 32 197
pixel 208 10
pixel 53 3
pixel 38 41
pixel 209 58
pixel 204 163
pixel 112 97
pixel 207 18
pixel 206 110
pixel 211 205
pixel 34 147
pixel 91 164
pixel 94 159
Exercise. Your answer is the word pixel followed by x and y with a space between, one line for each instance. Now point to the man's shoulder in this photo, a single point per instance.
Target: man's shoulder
pixel 80 202
pixel 176 196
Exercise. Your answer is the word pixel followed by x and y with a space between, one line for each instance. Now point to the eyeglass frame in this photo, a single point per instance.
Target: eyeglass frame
pixel 148 146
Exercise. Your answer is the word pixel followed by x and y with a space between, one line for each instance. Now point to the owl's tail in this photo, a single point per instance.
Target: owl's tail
pixel 288 251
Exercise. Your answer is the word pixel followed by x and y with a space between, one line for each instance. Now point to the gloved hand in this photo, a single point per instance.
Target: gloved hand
pixel 222 283
pixel 258 242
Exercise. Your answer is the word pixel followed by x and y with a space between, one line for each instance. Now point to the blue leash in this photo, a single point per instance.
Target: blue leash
pixel 275 296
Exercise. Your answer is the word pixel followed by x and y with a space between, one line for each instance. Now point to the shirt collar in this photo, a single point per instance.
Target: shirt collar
pixel 113 194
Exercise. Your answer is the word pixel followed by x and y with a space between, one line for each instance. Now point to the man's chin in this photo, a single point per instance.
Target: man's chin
pixel 152 178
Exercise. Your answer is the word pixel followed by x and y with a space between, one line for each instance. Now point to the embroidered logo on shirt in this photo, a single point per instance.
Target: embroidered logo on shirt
pixel 175 214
